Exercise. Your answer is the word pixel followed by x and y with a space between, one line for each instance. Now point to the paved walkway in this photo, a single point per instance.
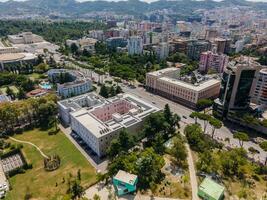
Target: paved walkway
pixel 104 192
pixel 191 167
pixel 26 142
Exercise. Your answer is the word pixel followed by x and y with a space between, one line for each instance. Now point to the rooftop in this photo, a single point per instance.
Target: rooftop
pixel 125 177
pixel 100 116
pixel 196 87
pixel 9 57
pixel 163 71
pixel 211 188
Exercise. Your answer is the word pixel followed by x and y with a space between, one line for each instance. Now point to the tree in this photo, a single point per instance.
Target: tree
pixel 205 118
pixel 120 145
pixel 96 197
pixel 203 104
pixel 76 190
pixel 242 137
pixel 167 113
pixel 79 176
pixel 233 162
pixel 148 168
pixel 10 92
pixel 118 90
pixel 263 145
pixel 42 68
pixel 194 137
pixel 155 123
pixel 195 115
pixel 216 124
pixel 112 91
pixel 74 48
pixel 104 91
pixel 179 152
pixel 253 151
pixel 21 94
pixel 158 144
pixel 207 162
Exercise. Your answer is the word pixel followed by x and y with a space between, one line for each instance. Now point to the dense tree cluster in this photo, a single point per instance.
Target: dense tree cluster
pixel 197 140
pixel 131 67
pixel 16 79
pixel 106 91
pixel 145 164
pixel 57 31
pixel 161 124
pixel 121 145
pixel 30 112
pixel 182 58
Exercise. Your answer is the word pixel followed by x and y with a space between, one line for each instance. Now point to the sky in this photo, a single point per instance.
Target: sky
pixel 142 0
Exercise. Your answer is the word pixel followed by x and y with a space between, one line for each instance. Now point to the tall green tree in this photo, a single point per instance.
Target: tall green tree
pixel 104 91
pixel 203 104
pixel 179 152
pixel 216 124
pixel 242 137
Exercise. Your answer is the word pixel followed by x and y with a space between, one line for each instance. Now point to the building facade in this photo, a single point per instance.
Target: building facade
pixel 260 93
pixel 237 86
pixel 114 42
pixel 25 38
pixel 162 50
pixel 69 82
pixel 196 47
pixel 135 45
pixel 98 121
pixel 212 61
pixel 165 83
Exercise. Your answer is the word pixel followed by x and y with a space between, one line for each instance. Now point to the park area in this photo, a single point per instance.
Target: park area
pixel 40 183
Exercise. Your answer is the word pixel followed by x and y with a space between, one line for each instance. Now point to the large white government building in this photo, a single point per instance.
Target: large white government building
pixel 168 83
pixel 98 120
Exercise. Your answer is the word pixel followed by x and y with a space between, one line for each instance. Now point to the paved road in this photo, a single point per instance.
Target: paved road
pixel 103 192
pixel 222 133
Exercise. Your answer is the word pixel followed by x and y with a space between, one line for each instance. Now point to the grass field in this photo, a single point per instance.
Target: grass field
pixel 42 184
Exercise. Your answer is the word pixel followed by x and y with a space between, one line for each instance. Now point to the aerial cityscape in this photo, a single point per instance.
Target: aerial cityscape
pixel 133 100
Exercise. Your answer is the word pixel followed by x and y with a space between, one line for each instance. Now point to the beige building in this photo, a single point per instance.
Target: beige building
pixel 84 43
pixel 167 83
pixel 25 38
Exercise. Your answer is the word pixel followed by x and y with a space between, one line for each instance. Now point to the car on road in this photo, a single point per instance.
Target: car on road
pixel 184 117
pixel 153 102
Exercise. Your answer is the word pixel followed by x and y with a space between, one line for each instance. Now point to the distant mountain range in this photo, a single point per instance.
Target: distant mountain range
pixel 135 7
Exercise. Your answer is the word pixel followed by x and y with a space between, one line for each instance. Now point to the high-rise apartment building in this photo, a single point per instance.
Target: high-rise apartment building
pixel 260 94
pixel 196 47
pixel 212 61
pixel 237 86
pixel 135 45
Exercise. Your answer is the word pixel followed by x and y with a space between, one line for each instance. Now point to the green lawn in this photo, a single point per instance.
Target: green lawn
pixel 34 76
pixel 42 184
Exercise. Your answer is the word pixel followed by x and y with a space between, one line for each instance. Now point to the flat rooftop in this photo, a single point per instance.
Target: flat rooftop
pixel 211 188
pixel 86 117
pixel 125 177
pixel 163 71
pixel 195 87
pixel 9 57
